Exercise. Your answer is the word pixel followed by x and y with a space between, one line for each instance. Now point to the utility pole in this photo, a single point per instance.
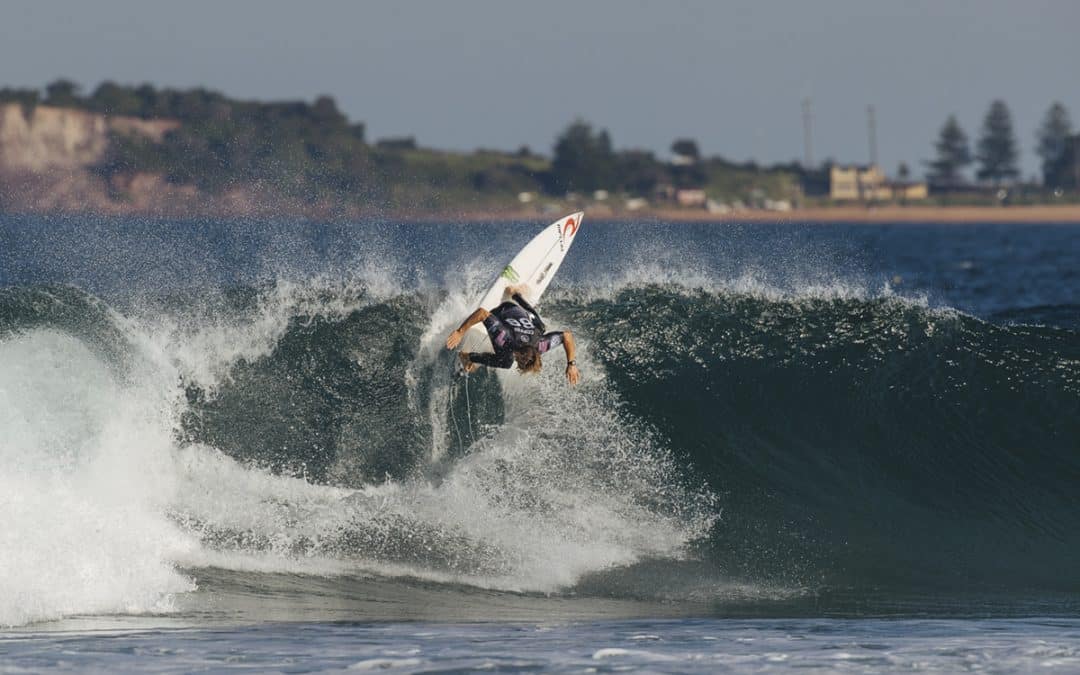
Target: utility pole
pixel 871 130
pixel 808 135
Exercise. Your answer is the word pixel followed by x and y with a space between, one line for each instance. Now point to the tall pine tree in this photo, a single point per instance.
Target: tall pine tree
pixel 1053 142
pixel 953 154
pixel 996 150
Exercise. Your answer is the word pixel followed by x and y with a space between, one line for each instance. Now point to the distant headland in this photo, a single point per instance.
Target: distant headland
pixel 141 150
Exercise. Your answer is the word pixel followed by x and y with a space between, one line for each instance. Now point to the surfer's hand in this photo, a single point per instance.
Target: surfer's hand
pixel 572 374
pixel 454 339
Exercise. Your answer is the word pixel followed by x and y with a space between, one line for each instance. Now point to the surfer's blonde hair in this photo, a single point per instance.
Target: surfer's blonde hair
pixel 530 359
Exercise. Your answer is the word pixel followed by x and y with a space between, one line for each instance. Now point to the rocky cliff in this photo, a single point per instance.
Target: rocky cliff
pixel 48 160
pixel 50 138
pixel 48 155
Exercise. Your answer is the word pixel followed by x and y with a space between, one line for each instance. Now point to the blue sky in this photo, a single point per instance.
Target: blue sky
pixel 500 74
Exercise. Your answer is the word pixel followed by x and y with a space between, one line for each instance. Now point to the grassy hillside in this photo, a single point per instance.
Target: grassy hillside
pixel 310 153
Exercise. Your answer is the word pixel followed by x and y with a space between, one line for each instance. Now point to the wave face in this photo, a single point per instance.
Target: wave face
pixel 728 441
pixel 868 442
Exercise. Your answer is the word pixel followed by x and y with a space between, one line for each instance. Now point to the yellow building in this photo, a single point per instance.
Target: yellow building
pixel 868 183
pixel 852 183
pixel 910 191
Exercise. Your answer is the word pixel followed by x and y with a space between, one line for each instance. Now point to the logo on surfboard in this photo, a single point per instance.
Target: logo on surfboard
pixel 510 274
pixel 544 273
pixel 567 230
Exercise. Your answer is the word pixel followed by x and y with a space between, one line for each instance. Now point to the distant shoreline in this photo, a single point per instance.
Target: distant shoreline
pixel 174 205
pixel 84 159
pixel 891 214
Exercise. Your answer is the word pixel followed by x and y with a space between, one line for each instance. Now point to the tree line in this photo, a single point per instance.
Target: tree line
pixel 584 159
pixel 997 151
pixel 313 150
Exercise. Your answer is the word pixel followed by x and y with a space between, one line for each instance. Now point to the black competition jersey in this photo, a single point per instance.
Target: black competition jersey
pixel 513 325
pixel 521 327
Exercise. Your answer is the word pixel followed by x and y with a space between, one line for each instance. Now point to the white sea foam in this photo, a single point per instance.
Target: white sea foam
pixel 556 492
pixel 84 487
pixel 105 510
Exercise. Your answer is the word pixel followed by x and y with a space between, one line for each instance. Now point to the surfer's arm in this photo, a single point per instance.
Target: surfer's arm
pixel 500 359
pixel 572 374
pixel 454 339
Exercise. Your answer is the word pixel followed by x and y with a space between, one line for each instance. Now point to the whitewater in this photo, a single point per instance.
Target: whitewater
pixel 108 492
pixel 208 426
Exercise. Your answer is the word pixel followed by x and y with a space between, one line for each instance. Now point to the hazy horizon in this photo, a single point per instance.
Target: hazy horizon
pixel 499 75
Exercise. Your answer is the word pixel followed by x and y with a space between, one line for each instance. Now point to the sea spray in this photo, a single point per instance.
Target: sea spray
pixel 85 485
pixel 502 513
pixel 563 488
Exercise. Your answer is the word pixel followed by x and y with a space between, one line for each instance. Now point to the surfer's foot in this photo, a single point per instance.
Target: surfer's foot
pixel 514 289
pixel 467 365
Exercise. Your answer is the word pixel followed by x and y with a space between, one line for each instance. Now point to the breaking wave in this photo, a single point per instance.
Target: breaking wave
pixel 828 438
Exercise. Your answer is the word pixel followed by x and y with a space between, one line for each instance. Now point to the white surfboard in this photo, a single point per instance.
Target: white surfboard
pixel 534 266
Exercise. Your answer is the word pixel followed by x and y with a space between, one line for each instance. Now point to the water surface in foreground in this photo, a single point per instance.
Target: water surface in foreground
pixel 666 646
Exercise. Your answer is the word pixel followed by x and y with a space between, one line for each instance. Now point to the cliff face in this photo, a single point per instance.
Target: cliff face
pixel 52 138
pixel 49 138
pixel 47 159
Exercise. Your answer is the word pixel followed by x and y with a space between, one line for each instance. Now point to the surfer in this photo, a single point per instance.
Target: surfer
pixel 517 335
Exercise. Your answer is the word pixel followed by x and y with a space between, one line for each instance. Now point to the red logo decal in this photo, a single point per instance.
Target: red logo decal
pixel 570 228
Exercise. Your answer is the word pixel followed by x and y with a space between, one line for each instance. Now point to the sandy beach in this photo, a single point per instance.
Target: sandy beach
pixel 1065 213
pixel 888 214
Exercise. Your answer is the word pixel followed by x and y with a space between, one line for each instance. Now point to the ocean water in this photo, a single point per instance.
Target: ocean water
pixel 239 444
